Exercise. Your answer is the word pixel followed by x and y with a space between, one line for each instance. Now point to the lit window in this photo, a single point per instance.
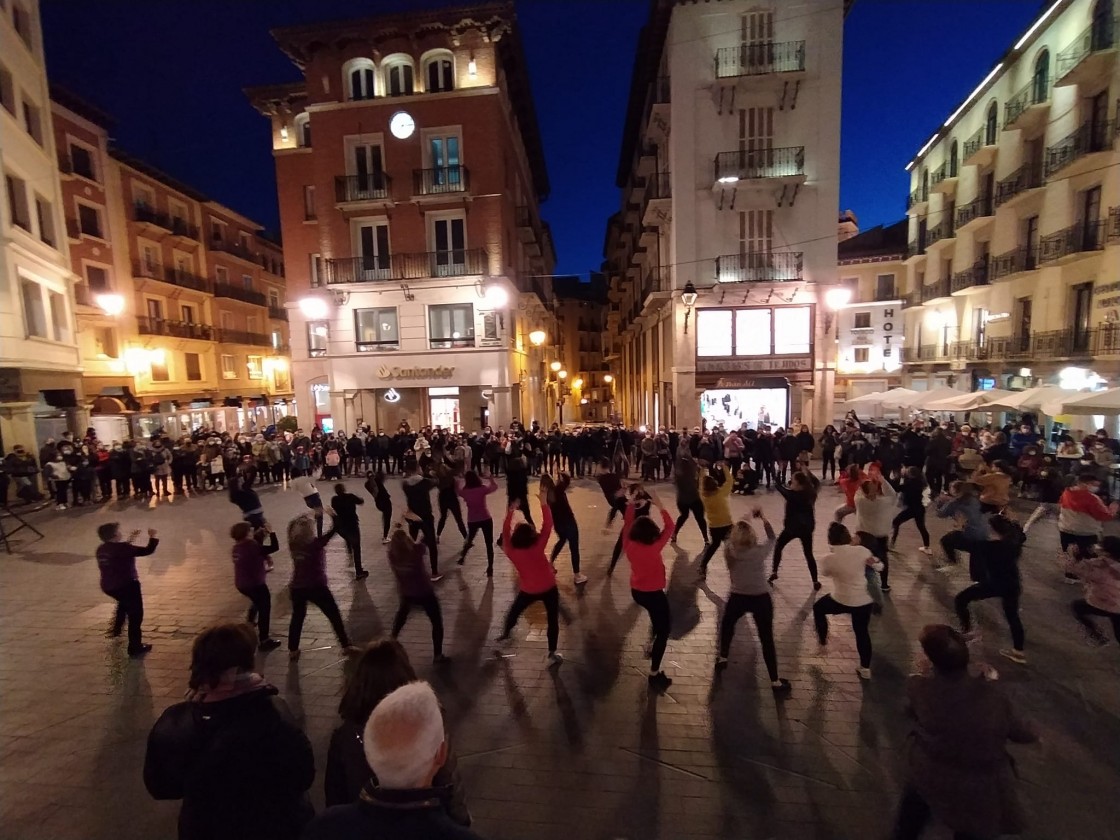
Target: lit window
pixel 861 355
pixel 317 335
pixel 193 366
pixel 228 369
pixel 376 329
pixel 160 371
pixel 450 326
pixel 713 332
pixel 255 366
pixel 792 330
pixel 752 332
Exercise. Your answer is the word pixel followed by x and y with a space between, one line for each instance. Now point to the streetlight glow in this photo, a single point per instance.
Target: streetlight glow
pixel 608 378
pixel 314 308
pixel 563 374
pixel 111 304
pixel 537 337
pixel 838 297
pixel 577 382
pixel 496 296
pixel 555 366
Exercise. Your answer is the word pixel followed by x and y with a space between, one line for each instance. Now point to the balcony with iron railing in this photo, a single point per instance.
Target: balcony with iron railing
pixel 942 177
pixel 975 276
pixel 165 221
pixel 1090 54
pixel 1112 227
pixel 786 163
pixel 1023 258
pixel 252 339
pixel 760 59
pixel 936 290
pixel 234 248
pixel 1090 138
pixel 911 299
pixel 980 208
pixel 278 313
pixel 174 329
pixel 463 262
pixel 759 267
pixel 354 189
pixel 440 180
pixel 1026 177
pixel 1083 237
pixel 528 229
pixel 229 290
pixel 186 279
pixel 917 197
pixel 943 230
pixel 980 147
pixel 1026 104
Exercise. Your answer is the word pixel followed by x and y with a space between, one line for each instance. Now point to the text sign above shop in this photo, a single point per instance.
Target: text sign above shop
pixel 441 372
pixel 749 366
pixel 753 382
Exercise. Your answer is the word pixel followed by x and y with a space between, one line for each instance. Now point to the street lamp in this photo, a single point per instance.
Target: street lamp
pixel 314 308
pixel 688 298
pixel 111 304
pixel 555 366
pixel 577 382
pixel 537 337
pixel 562 374
pixel 835 298
pixel 607 378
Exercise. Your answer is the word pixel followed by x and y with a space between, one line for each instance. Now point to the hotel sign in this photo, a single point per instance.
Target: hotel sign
pixel 441 372
pixel 752 365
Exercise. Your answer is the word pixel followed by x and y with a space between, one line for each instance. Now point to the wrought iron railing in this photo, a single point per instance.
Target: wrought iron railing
pixel 976 209
pixel 978 274
pixel 440 179
pixel 229 290
pixel 1034 92
pixel 1026 177
pixel 244 337
pixel 759 164
pixel 937 289
pixel 174 329
pixel 1090 137
pixel 1099 36
pixel 185 279
pixel 760 59
pixel 234 247
pixel 1023 258
pixel 278 313
pixel 373 187
pixel 381 267
pixel 1075 239
pixel 759 267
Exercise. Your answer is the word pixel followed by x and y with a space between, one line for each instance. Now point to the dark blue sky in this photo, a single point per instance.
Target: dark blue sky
pixel 172 75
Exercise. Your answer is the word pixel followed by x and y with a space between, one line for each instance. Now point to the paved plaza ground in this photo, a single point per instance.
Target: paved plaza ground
pixel 585 751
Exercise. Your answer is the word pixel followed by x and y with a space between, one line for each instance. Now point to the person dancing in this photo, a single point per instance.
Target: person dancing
pixel 414 587
pixel 874 505
pixel 344 510
pixel 375 486
pixel 1101 576
pixel 116 563
pixel 448 500
pixel 524 546
pixel 309 582
pixel 564 521
pixel 846 566
pixel 750 593
pixel 913 506
pixel 474 493
pixel 799 521
pixel 643 542
pixel 999 577
pixel 251 564
pixel 686 481
pixel 715 494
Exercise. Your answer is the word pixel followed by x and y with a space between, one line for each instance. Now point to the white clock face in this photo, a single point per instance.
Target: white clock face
pixel 402 125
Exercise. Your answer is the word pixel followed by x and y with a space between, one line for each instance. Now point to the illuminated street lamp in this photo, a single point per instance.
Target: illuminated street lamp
pixel 314 308
pixel 607 378
pixel 555 366
pixel 835 298
pixel 563 374
pixel 577 382
pixel 111 304
pixel 537 337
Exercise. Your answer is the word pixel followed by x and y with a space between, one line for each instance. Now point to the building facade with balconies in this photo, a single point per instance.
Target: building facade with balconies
pixel 40 374
pixel 869 328
pixel 727 232
pixel 162 343
pixel 1013 263
pixel 409 171
pixel 585 395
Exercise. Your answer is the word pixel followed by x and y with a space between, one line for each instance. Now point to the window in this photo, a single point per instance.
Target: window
pixel 81 161
pixel 757 331
pixel 44 214
pixel 373 249
pixel 32 122
pixel 991 125
pixel 309 203
pixel 255 366
pixel 60 318
pixel 158 367
pixel 273 299
pixel 1040 82
pixel 862 321
pixel 954 160
pixel 194 366
pixel 277 339
pixel 34 313
pixel 89 220
pixel 884 287
pixel 7 91
pixel 449 241
pixel 450 325
pixel 150 259
pixel 97 278
pixel 221 274
pixel 228 370
pixel 155 309
pixel 861 355
pixel 317 334
pixel 245 242
pixel 17 202
pixel 398 77
pixel 105 342
pixel 440 74
pixel 376 329
pixel 143 196
pixel 368 171
pixel 247 282
pixel 447 173
pixel 316 270
pixel 251 324
pixel 21 22
pixel 186 313
pixel 226 320
pixel 303 130
pixel 359 75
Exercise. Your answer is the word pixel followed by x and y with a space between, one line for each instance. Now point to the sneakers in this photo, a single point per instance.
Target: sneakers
pixel 269 644
pixel 554 659
pixel 136 653
pixel 659 681
pixel 385 541
pixel 580 579
pixel 864 673
pixel 60 507
pixel 925 549
pixel 436 578
pixel 782 687
pixel 1014 655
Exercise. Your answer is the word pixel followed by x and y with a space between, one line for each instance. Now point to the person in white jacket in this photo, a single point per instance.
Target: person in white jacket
pixel 846 567
pixel 875 508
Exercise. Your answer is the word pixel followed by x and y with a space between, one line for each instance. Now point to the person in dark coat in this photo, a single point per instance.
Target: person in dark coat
pixel 938 450
pixel 958 770
pixel 232 752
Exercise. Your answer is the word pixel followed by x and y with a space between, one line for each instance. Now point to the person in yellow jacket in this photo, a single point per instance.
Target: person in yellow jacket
pixel 715 495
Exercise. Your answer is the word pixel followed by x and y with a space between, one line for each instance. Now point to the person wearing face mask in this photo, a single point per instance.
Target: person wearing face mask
pixel 58 472
pixel 102 472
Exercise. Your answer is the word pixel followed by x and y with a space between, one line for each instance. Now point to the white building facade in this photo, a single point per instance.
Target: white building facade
pixel 40 380
pixel 726 241
pixel 1013 266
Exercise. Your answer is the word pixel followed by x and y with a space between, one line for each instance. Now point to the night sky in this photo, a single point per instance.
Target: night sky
pixel 171 73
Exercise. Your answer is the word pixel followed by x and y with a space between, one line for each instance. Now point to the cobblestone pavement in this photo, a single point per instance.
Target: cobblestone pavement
pixel 585 750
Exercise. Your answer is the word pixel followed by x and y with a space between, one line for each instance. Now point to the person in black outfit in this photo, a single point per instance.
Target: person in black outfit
pixel 344 510
pixel 787 449
pixel 799 521
pixel 517 485
pixel 448 499
pixel 999 577
pixel 913 505
pixel 686 480
pixel 938 449
pixel 418 500
pixel 375 486
pixel 764 456
pixel 829 441
pixel 233 753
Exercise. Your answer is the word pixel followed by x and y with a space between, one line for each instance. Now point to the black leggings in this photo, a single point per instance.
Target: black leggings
pixel 719 534
pixel 918 514
pixel 551 600
pixel 321 597
pixel 1082 609
pixel 486 526
pixel 567 533
pixel 761 608
pixel 913 815
pixel 878 548
pixel 828 461
pixel 260 613
pixel 428 528
pixel 386 520
pixel 655 603
pixel 353 540
pixel 696 508
pixel 450 504
pixel 981 592
pixel 787 536
pixel 130 605
pixel 430 605
pixel 861 624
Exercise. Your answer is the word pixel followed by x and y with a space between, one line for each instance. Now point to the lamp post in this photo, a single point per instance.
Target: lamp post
pixel 688 298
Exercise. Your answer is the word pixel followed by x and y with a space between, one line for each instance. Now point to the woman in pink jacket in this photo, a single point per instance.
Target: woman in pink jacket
pixel 473 492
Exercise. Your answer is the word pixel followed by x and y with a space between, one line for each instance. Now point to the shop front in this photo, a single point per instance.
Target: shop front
pixel 772 393
pixel 36 405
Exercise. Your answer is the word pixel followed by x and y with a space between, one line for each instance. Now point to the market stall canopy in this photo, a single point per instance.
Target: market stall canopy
pixel 973 401
pixel 1032 399
pixel 900 397
pixel 873 397
pixel 918 399
pixel 1094 402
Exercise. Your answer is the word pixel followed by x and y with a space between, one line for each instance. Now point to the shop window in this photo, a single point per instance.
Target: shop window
pixel 376 329
pixel 792 330
pixel 861 355
pixel 757 331
pixel 228 369
pixel 450 326
pixel 255 366
pixel 194 366
pixel 753 333
pixel 317 335
pixel 713 332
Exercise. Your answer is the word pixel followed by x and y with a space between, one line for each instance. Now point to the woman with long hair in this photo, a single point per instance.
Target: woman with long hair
pixel 643 542
pixel 474 493
pixel 379 670
pixel 564 521
pixel 309 581
pixel 829 441
pixel 536 579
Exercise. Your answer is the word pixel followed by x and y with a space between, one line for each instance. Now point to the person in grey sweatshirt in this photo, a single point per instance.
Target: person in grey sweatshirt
pixel 962 504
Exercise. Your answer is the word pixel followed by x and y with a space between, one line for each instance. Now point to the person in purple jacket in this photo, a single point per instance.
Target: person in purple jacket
pixel 116 561
pixel 250 565
pixel 309 581
pixel 406 559
pixel 474 493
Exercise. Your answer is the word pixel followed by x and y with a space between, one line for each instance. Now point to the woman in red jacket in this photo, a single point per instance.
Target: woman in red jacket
pixel 536 578
pixel 643 542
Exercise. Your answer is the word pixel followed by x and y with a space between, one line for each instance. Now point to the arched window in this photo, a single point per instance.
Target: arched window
pixel 303 130
pixel 398 76
pixel 439 73
pixel 991 125
pixel 954 160
pixel 1103 32
pixel 1040 84
pixel 358 78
